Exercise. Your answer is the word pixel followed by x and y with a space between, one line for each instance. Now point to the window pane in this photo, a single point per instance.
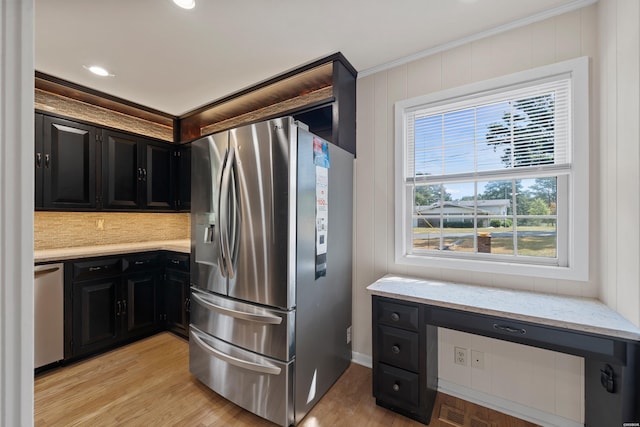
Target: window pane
pixel 458 234
pixel 495 197
pixel 426 233
pixel 496 240
pixel 537 238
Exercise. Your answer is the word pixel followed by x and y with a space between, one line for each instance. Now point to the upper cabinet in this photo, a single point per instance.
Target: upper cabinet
pixel 65 164
pixel 183 187
pixel 81 167
pixel 137 173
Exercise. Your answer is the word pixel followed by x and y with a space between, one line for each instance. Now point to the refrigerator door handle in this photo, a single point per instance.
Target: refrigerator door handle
pixel 244 364
pixel 224 214
pixel 221 255
pixel 252 317
pixel 235 224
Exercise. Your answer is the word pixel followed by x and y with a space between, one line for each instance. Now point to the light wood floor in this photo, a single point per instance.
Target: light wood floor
pixel 148 384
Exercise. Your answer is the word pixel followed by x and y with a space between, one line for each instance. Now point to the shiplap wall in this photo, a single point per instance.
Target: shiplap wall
pixel 538 382
pixel 619 154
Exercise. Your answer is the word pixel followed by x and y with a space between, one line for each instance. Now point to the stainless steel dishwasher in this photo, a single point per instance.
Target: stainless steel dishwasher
pixel 48 314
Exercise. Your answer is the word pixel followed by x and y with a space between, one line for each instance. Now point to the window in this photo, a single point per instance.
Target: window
pixel 493 176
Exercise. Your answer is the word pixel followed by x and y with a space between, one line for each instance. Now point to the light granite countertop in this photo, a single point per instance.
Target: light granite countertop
pixel 62 254
pixel 575 313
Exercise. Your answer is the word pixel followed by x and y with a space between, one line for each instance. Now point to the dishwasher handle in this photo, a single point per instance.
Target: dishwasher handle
pixel 38 273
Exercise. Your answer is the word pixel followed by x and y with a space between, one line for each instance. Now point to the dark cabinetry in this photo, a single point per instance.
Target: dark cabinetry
pixel 65 164
pixel 113 300
pixel 116 299
pixel 177 296
pixel 81 167
pixel 136 173
pixel 183 187
pixel 400 358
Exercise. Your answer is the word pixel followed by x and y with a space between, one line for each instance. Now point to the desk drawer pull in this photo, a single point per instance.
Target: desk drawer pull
pixel 395 317
pixel 395 349
pixel 396 387
pixel 509 329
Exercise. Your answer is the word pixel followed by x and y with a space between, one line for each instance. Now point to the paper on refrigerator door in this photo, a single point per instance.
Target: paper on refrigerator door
pixel 321 160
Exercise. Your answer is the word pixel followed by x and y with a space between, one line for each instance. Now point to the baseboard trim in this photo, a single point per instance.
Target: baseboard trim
pixel 362 359
pixel 505 406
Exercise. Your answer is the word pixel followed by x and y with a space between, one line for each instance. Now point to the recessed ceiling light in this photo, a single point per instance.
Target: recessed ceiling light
pixel 185 4
pixel 98 71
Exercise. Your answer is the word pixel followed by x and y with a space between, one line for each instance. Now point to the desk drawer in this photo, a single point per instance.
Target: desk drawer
pixel 398 347
pixel 397 315
pixel 549 337
pixel 398 387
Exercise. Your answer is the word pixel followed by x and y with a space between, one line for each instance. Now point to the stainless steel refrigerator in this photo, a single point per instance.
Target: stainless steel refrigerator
pixel 271 266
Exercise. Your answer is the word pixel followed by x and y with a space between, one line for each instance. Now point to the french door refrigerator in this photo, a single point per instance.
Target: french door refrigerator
pixel 271 231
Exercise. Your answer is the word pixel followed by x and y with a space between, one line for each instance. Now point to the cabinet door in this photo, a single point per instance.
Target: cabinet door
pixel 122 172
pixel 176 291
pixel 184 178
pixel 69 165
pixel 158 178
pixel 96 315
pixel 140 303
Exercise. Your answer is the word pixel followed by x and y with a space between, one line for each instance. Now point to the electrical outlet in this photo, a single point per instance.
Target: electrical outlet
pixel 348 334
pixel 460 356
pixel 477 359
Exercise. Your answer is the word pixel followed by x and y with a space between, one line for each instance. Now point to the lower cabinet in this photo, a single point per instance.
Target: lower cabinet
pixel 399 358
pixel 96 318
pixel 177 294
pixel 114 300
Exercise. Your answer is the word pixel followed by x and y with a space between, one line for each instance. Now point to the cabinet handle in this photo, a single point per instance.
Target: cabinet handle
pixel 396 387
pixel 95 268
pixel 509 329
pixel 144 174
pixel 124 306
pixel 119 308
pixel 47 160
pixel 395 316
pixel 395 349
pixel 175 261
pixel 38 160
pixel 141 262
pixel 139 174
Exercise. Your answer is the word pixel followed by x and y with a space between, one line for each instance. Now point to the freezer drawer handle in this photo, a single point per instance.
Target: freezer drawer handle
pixel 39 273
pixel 256 367
pixel 261 318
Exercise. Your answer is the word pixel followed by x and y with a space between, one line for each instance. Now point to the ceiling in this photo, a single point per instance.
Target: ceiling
pixel 175 60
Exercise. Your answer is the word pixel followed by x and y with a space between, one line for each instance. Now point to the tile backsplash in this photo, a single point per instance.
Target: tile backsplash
pixel 53 230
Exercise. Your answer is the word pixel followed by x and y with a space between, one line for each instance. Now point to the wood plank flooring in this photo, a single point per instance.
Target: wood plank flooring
pixel 148 383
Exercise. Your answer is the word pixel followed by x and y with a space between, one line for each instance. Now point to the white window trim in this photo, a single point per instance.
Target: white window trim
pixel 578 219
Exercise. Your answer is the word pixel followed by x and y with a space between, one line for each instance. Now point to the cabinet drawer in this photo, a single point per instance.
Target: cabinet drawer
pixel 398 387
pixel 549 337
pixel 92 269
pixel 141 262
pixel 398 315
pixel 177 261
pixel 398 347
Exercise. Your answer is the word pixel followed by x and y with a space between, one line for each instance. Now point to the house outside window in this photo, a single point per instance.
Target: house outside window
pixel 493 176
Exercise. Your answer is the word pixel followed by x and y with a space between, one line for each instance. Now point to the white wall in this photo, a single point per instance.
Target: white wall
pixel 16 213
pixel 619 153
pixel 512 372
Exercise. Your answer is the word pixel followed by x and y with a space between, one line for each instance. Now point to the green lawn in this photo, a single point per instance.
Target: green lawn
pixel 459 239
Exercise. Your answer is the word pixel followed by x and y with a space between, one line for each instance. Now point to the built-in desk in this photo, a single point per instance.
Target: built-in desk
pixel 407 311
